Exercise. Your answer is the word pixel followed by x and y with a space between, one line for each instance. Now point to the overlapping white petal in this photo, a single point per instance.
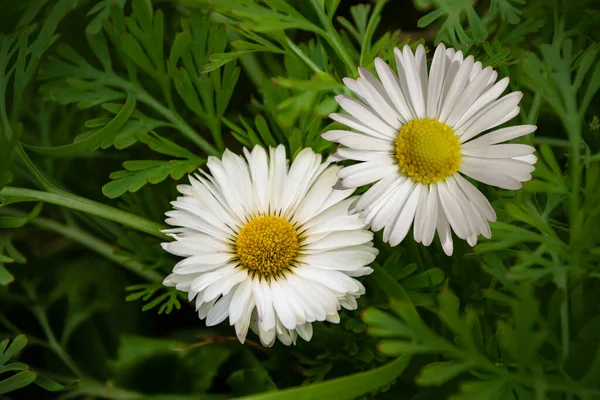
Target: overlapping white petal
pixel 334 247
pixel 457 91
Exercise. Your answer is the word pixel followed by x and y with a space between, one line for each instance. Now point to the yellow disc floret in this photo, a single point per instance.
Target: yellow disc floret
pixel 427 150
pixel 267 245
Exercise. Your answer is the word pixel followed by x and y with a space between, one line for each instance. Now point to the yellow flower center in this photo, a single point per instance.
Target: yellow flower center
pixel 427 150
pixel 267 245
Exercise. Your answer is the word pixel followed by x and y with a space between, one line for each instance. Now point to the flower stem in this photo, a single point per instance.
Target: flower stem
pixel 87 206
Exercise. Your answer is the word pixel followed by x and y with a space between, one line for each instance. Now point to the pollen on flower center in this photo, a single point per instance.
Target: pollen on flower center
pixel 267 245
pixel 427 150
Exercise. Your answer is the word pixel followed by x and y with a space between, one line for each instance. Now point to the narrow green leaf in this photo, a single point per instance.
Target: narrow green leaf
pixel 348 387
pixel 94 140
pixel 441 372
pixel 17 381
pixel 52 386
pixel 18 344
pixel 14 367
pixel 6 277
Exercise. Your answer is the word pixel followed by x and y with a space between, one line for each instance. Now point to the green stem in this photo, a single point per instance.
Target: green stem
pixel 87 206
pixel 347 387
pixel 93 243
pixel 574 130
pixel 42 318
pixel 37 174
pixel 300 54
pixel 331 36
pixel 564 324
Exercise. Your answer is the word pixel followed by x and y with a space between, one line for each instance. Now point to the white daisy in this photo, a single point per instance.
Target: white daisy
pixel 416 133
pixel 272 248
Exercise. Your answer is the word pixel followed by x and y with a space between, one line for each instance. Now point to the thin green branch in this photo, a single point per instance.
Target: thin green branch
pixel 332 37
pixel 42 318
pixel 300 54
pixel 87 206
pixel 35 172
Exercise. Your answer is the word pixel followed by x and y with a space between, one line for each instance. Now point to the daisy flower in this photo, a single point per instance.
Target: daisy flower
pixel 268 246
pixel 416 135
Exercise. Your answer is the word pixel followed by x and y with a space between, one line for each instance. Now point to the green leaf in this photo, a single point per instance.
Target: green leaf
pixel 250 381
pixel 433 276
pixel 52 386
pixel 138 173
pixel 387 283
pixel 384 325
pixel 396 348
pixel 18 222
pixel 347 387
pixel 14 367
pixel 440 372
pixel 5 276
pixel 102 10
pixel 507 11
pixel 18 344
pixel 165 146
pixel 177 370
pixel 17 381
pixel 94 140
pixel 482 390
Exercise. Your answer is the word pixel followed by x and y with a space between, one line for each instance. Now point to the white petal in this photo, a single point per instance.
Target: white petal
pixel 380 105
pixel 358 141
pixel 421 215
pixel 443 230
pixel 499 136
pixel 241 297
pixel 357 124
pixel 437 74
pixel 476 197
pixel 490 177
pixel 285 312
pixel 392 86
pixel 456 88
pixel 377 190
pixel 483 101
pixel 305 331
pixel 219 312
pixel 369 175
pixel 259 170
pixel 499 151
pixel 406 217
pixel 341 239
pixel 453 211
pixel 277 176
pixel 392 207
pixel 489 116
pixel 470 94
pixel 518 170
pixel 432 215
pixel 413 80
pixel 362 155
pixel 366 115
